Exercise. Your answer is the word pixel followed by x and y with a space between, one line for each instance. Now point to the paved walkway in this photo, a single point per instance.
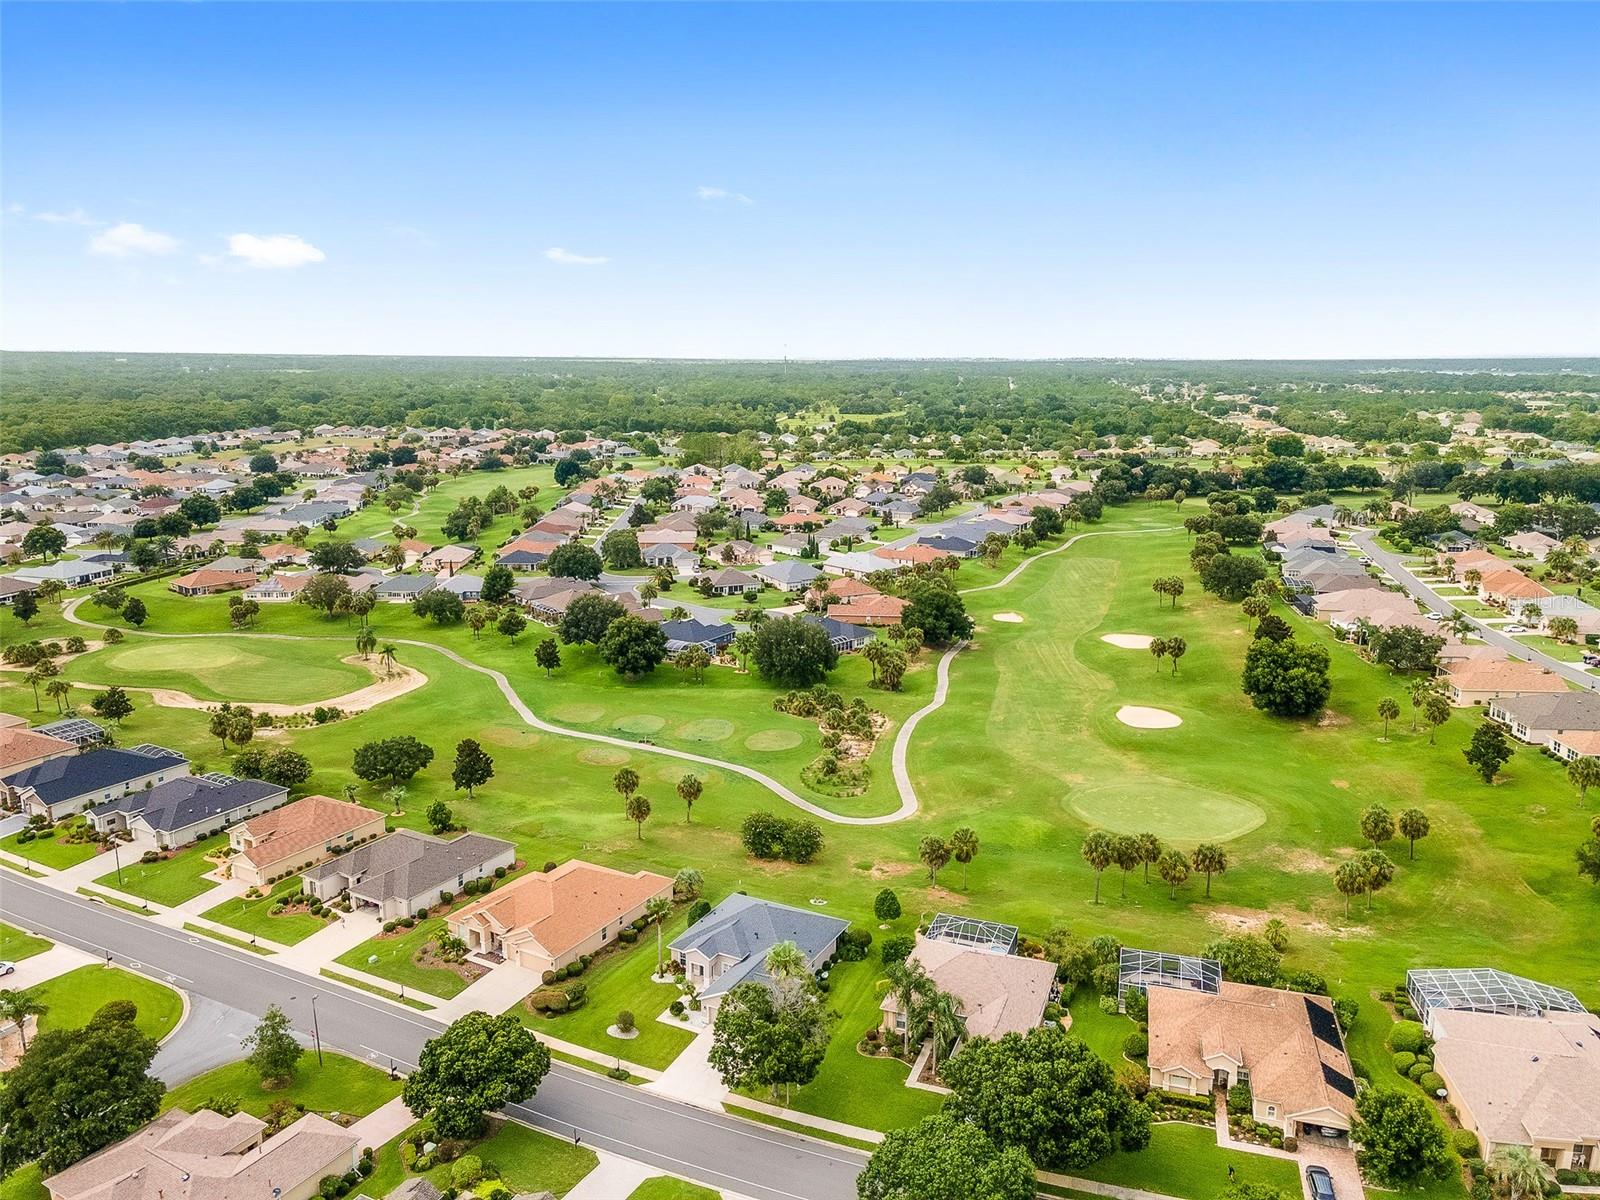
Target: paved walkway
pixel 57 960
pixel 321 948
pixel 385 1124
pixel 691 1078
pixel 492 993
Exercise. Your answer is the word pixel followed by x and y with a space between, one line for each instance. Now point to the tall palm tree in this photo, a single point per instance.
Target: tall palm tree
pixel 656 912
pixel 58 690
pixel 1211 859
pixel 1517 1170
pixel 18 1006
pixel 964 848
pixel 946 1022
pixel 387 653
pixel 365 641
pixel 909 984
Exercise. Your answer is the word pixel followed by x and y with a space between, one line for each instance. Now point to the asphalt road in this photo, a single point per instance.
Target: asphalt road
pixel 722 1152
pixel 1394 564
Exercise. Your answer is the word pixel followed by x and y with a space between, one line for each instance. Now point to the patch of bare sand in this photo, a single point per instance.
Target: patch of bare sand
pixel 1009 618
pixel 1298 862
pixel 892 870
pixel 1128 641
pixel 1140 717
pixel 1254 920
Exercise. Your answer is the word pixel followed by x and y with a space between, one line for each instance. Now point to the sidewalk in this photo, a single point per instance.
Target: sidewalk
pixel 383 1124
pixel 691 1078
pixel 57 960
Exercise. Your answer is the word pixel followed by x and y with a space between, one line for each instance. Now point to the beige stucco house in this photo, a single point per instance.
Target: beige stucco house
pixel 998 993
pixel 545 920
pixel 298 836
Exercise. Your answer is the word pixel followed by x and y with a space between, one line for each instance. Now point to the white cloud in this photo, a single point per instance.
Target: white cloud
pixel 722 194
pixel 568 259
pixel 278 250
pixel 76 217
pixel 129 238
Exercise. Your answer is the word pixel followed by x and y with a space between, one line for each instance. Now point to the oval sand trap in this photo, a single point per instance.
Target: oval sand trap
pixel 580 714
pixel 773 739
pixel 1172 810
pixel 707 729
pixel 1009 618
pixel 603 756
pixel 1141 717
pixel 642 723
pixel 1128 641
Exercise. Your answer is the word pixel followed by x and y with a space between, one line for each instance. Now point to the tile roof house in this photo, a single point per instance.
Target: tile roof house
pixel 546 920
pixel 998 993
pixel 297 836
pixel 1483 680
pixel 60 787
pixel 728 946
pixel 1509 584
pixel 21 748
pixel 1529 1081
pixel 180 811
pixel 206 1156
pixel 406 871
pixel 870 610
pixel 208 581
pixel 1287 1045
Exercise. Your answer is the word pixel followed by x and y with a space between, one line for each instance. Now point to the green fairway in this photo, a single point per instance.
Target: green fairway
pixel 621 980
pixel 16 945
pixel 227 668
pixel 340 1084
pixel 71 999
pixel 169 882
pixel 255 916
pixel 1132 807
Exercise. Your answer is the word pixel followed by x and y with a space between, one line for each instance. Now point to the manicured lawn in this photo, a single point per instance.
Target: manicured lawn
pixel 168 882
pixel 1185 1160
pixel 664 1187
pixel 394 963
pixel 49 851
pixel 25 1183
pixel 1103 1033
pixel 850 1086
pixel 73 998
pixel 16 945
pixel 231 668
pixel 341 1084
pixel 255 916
pixel 622 980
pixel 528 1161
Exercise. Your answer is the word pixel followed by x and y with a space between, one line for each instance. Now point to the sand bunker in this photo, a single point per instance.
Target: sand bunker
pixel 1148 718
pixel 1009 618
pixel 1128 641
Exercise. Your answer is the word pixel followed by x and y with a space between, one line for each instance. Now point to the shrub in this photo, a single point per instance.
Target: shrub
pixel 1408 1035
pixel 1239 1099
pixel 549 1000
pixel 424 1163
pixel 698 910
pixel 365 1167
pixel 628 934
pixel 887 905
pixel 1465 1143
pixel 853 944
pixel 388 926
pixel 1291 1143
pixel 1108 1004
pixel 1418 1069
pixel 1136 1044
pixel 1052 1011
pixel 330 1187
pixel 1403 1060
pixel 625 1021
pixel 1431 1082
pixel 548 977
pixel 897 949
pixel 1136 1004
pixel 676 1008
pixel 466 1171
pixel 447 897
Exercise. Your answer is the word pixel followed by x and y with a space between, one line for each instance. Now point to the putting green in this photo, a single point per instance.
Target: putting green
pixel 198 655
pixel 707 729
pixel 643 723
pixel 580 714
pixel 1166 808
pixel 603 756
pixel 773 739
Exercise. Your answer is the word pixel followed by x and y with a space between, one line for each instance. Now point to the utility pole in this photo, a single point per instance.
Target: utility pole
pixel 316 1032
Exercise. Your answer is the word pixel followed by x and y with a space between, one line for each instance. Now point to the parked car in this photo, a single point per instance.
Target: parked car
pixel 1433 616
pixel 1591 660
pixel 1516 629
pixel 6 968
pixel 1365 561
pixel 1319 1183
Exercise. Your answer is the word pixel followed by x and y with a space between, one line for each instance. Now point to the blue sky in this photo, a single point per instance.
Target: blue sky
pixel 823 181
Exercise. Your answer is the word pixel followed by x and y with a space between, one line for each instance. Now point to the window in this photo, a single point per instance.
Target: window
pixel 1272 1111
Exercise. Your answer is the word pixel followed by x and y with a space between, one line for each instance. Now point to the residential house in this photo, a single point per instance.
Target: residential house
pixel 402 589
pixel 1540 718
pixel 1477 682
pixel 788 575
pixel 208 581
pixel 468 587
pixel 730 582
pixel 207 1156
pixel 843 636
pixel 1532 543
pixel 181 811
pixel 297 836
pixel 406 872
pixel 545 920
pixel 1286 1045
pixel 447 560
pixel 728 946
pixel 21 747
pixel 71 572
pixel 999 993
pixel 278 589
pixel 60 787
pixel 1508 586
pixel 683 634
pixel 870 610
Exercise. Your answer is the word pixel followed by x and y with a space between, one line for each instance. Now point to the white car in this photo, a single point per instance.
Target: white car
pixel 1433 616
pixel 7 968
pixel 1516 629
pixel 1364 561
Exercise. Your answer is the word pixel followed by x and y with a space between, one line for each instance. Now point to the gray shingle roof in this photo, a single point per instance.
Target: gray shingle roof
pixel 180 803
pixel 404 864
pixel 1567 710
pixel 63 779
pixel 745 928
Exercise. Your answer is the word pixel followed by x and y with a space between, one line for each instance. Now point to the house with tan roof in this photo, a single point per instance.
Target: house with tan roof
pixel 870 610
pixel 1483 680
pixel 1285 1045
pixel 21 748
pixel 1530 1081
pixel 998 993
pixel 206 1156
pixel 298 836
pixel 208 581
pixel 1509 585
pixel 546 920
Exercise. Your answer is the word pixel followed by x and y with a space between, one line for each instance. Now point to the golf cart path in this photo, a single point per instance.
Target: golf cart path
pixel 909 802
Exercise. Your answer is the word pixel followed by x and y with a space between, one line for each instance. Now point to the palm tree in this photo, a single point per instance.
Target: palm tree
pixel 1149 851
pixel 1158 650
pixel 1420 691
pixel 935 853
pixel 17 1007
pixel 365 641
pixel 387 653
pixel 1517 1170
pixel 689 789
pixel 1211 859
pixel 964 848
pixel 1350 878
pixel 656 912
pixel 1389 710
pixel 946 1022
pixel 638 811
pixel 909 984
pixel 1583 774
pixel 626 781
pixel 58 690
pixel 1096 852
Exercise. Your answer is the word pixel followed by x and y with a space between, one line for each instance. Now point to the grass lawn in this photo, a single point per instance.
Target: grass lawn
pixel 341 1084
pixel 622 980
pixel 394 963
pixel 1563 651
pixel 255 916
pixel 1103 1033
pixel 169 882
pixel 50 851
pixel 1185 1160
pixel 16 945
pixel 528 1161
pixel 25 1183
pixel 76 996
pixel 231 668
pixel 664 1187
pixel 850 1086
